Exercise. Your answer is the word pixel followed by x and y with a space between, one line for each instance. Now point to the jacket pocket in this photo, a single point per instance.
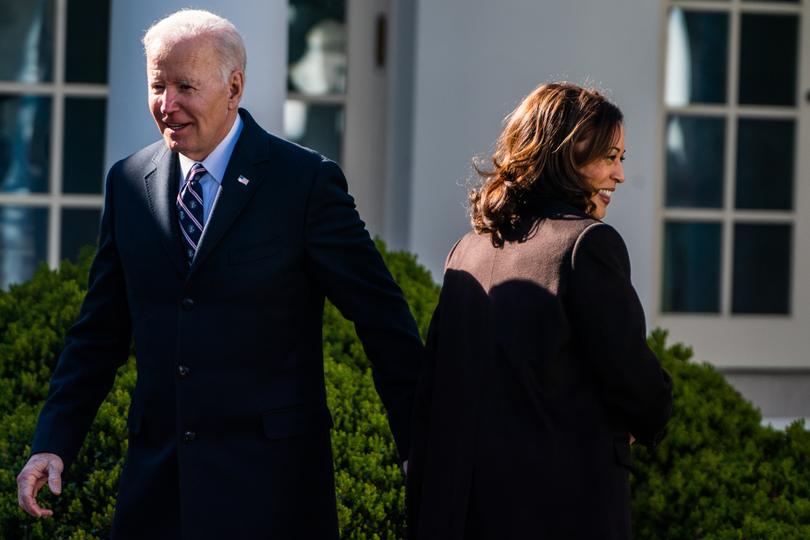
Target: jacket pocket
pixel 253 253
pixel 289 422
pixel 621 449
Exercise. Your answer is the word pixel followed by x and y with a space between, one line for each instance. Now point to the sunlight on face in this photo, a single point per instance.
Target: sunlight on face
pixel 604 174
pixel 192 106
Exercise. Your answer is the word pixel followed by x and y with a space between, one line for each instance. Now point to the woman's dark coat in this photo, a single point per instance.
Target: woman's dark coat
pixel 537 371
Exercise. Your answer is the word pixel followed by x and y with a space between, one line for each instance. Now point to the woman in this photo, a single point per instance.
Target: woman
pixel 537 375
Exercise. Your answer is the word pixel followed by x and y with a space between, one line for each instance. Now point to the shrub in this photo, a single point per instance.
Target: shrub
pixel 369 483
pixel 717 475
pixel 34 317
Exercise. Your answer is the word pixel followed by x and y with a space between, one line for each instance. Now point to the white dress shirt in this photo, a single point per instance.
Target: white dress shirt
pixel 215 165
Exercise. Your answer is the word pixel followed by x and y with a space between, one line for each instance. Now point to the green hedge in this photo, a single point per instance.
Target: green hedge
pixel 369 483
pixel 718 474
pixel 34 317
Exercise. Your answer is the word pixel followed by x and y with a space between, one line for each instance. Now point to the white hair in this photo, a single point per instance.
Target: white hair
pixel 192 23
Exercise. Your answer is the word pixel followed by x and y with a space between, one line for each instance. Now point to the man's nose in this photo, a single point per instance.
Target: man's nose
pixel 168 102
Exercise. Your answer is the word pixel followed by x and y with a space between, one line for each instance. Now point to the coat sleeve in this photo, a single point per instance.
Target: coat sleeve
pixel 609 324
pixel 421 427
pixel 95 347
pixel 343 261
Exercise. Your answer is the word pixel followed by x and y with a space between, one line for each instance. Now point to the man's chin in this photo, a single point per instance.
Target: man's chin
pixel 173 143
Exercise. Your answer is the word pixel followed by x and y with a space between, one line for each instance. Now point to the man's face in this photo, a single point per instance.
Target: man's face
pixel 191 104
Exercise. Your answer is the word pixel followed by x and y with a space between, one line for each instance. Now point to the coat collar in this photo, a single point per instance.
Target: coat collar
pixel 161 182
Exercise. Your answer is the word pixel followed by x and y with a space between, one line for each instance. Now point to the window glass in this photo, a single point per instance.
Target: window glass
pixel 23 242
pixel 26 40
pixel 769 46
pixel 695 164
pixel 83 156
pixel 319 127
pixel 25 141
pixel 762 268
pixel 697 44
pixel 317 47
pixel 88 23
pixel 765 151
pixel 691 267
pixel 79 229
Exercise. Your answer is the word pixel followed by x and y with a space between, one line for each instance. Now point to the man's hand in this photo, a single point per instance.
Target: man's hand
pixel 632 439
pixel 40 468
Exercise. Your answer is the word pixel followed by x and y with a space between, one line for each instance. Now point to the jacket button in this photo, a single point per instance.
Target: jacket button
pixel 189 436
pixel 183 371
pixel 187 304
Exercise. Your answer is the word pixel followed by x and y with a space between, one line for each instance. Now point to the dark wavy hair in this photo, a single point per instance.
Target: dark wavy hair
pixel 538 154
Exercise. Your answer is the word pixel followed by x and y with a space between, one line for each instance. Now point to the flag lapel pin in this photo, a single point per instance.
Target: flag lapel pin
pixel 242 180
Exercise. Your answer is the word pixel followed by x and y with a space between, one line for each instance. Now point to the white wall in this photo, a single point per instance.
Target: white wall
pixel 476 59
pixel 263 25
pixel 399 142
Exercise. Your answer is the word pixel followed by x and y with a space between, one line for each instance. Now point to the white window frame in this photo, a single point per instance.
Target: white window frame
pixel 363 153
pixel 743 340
pixel 54 200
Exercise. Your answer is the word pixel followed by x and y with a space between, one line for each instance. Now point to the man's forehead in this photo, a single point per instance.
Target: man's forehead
pixel 184 49
pixel 160 75
pixel 184 67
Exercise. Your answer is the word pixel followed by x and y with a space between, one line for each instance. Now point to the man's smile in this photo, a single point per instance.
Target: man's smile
pixel 175 127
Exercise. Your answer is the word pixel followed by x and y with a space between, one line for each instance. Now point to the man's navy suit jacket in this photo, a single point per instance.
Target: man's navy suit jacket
pixel 229 428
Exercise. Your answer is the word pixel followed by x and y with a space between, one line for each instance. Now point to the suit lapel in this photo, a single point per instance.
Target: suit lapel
pixel 161 189
pixel 250 149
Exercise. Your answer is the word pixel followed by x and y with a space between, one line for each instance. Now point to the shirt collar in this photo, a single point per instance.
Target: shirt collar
pixel 217 161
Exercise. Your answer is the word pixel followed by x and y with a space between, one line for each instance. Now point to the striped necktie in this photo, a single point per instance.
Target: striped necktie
pixel 190 210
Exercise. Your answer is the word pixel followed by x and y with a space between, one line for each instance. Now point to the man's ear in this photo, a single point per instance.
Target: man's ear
pixel 236 86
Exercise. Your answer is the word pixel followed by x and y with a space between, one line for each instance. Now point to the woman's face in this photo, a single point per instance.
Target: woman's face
pixel 604 173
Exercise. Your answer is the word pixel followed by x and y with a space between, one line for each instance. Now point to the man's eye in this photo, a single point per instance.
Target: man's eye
pixel 186 87
pixel 157 88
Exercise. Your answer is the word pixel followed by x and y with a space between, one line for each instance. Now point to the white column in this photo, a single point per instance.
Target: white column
pixel 263 25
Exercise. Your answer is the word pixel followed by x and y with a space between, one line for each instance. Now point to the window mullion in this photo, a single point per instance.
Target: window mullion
pixel 727 264
pixel 57 135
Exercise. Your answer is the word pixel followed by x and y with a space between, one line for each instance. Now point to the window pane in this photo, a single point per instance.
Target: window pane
pixel 768 54
pixel 761 268
pixel 317 47
pixel 79 229
pixel 88 23
pixel 765 164
pixel 23 242
pixel 691 267
pixel 319 127
pixel 26 40
pixel 695 161
pixel 25 141
pixel 83 156
pixel 696 57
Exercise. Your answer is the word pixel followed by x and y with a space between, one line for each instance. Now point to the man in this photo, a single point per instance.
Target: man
pixel 217 247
